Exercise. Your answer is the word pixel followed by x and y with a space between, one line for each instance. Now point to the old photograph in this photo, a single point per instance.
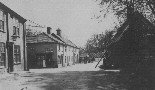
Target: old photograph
pixel 77 44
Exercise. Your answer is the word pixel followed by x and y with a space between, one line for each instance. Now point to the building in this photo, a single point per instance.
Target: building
pixel 71 52
pixel 49 50
pixel 133 44
pixel 12 41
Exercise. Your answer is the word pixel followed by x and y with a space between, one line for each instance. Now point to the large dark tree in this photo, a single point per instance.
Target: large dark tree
pixel 119 8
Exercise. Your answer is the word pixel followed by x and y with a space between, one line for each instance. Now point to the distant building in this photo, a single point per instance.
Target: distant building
pixel 71 54
pixel 12 41
pixel 50 50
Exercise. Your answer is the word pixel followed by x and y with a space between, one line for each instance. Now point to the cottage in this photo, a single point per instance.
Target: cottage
pixel 12 41
pixel 133 43
pixel 71 54
pixel 48 50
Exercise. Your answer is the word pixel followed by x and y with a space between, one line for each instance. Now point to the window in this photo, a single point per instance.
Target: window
pixel 65 48
pixel 2 19
pixel 2 54
pixel 16 25
pixel 15 31
pixel 59 46
pixel 1 25
pixel 65 59
pixel 17 54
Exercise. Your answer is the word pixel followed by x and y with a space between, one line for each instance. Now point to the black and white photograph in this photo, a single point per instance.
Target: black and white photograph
pixel 77 44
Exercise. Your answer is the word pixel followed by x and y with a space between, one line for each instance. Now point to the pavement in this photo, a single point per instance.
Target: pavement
pixel 75 77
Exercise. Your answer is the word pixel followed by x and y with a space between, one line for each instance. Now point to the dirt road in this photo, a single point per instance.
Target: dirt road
pixel 76 77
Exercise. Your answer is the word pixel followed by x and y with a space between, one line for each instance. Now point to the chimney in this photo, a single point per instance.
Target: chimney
pixel 130 9
pixel 49 30
pixel 58 32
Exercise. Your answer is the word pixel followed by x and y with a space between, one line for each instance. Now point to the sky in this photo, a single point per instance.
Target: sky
pixel 73 17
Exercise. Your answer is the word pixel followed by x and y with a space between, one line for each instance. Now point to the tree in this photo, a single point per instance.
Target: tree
pixel 119 8
pixel 98 42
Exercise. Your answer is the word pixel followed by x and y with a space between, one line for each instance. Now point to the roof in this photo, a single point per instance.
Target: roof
pixel 42 38
pixel 120 32
pixel 65 40
pixel 58 37
pixel 125 26
pixel 7 9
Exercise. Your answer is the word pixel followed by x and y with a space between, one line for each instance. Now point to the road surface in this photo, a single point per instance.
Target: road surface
pixel 76 77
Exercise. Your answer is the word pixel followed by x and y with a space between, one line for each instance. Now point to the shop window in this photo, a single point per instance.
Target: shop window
pixel 2 54
pixel 17 58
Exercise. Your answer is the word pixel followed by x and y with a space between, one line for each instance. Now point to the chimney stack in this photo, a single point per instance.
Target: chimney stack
pixel 130 9
pixel 58 32
pixel 49 30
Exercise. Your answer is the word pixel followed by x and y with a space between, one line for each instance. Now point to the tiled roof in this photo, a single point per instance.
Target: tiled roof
pixel 43 37
pixel 31 39
pixel 65 40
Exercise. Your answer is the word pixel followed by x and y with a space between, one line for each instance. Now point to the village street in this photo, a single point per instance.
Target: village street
pixel 76 77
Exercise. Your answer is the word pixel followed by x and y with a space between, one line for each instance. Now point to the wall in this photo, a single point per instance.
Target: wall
pixel 70 55
pixel 18 41
pixel 59 53
pixel 3 38
pixel 36 48
pixel 77 55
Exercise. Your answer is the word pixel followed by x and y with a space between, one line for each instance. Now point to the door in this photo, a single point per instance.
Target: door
pixel 40 60
pixel 62 59
pixel 48 60
pixel 10 56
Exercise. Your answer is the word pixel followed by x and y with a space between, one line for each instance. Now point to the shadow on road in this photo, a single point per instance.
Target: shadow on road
pixel 87 80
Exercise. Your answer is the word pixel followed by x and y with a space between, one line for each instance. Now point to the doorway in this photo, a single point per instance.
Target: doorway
pixel 10 56
pixel 49 60
pixel 62 60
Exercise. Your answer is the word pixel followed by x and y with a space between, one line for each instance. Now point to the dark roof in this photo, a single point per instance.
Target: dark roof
pixel 124 27
pixel 42 38
pixel 120 32
pixel 7 9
